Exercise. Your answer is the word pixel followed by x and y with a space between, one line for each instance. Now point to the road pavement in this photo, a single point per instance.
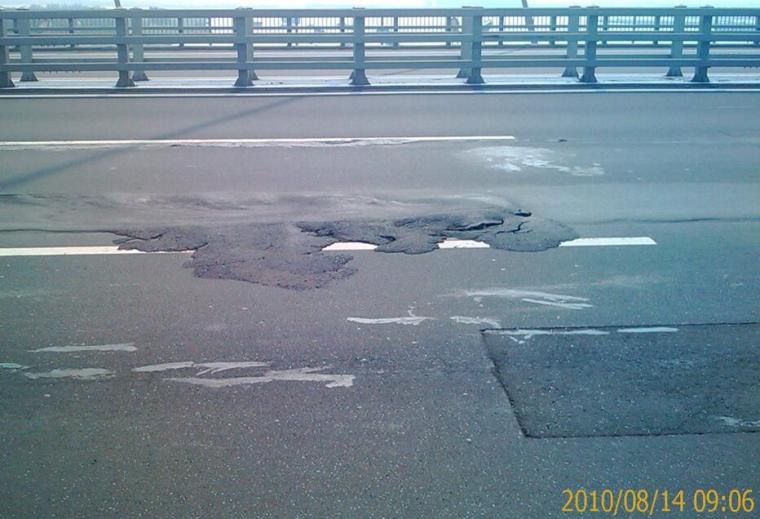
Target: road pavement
pixel 137 385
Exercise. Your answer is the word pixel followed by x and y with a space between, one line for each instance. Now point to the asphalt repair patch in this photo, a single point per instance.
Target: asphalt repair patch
pixel 617 381
pixel 289 255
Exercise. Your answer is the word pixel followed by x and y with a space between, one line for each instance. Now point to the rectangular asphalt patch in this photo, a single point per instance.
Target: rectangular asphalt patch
pixel 630 381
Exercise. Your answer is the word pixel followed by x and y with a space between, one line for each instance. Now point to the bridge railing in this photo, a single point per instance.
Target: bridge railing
pixel 127 41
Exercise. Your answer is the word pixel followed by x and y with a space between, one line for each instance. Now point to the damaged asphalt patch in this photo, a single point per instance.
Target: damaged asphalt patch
pixel 289 255
pixel 624 381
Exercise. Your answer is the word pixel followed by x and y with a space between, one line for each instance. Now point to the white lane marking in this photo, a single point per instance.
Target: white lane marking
pixel 129 346
pixel 78 374
pixel 454 243
pixel 349 246
pixel 651 329
pixel 218 367
pixel 274 142
pixel 608 242
pixel 209 367
pixel 164 367
pixel 12 366
pixel 76 251
pixel 737 422
pixel 449 243
pixel 291 375
pixel 413 320
pixel 463 319
pixel 560 304
pixel 532 296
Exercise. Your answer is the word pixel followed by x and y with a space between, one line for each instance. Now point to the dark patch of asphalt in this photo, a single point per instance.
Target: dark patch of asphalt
pixel 620 381
pixel 289 255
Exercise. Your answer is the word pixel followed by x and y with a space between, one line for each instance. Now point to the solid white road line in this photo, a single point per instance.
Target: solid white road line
pixel 74 251
pixel 286 142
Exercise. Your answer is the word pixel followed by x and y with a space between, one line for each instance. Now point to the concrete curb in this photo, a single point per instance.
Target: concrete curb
pixel 416 88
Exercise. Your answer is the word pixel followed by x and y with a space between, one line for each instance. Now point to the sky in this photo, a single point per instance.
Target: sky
pixel 380 3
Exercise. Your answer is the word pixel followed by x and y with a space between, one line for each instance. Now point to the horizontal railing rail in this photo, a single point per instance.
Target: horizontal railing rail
pixel 132 42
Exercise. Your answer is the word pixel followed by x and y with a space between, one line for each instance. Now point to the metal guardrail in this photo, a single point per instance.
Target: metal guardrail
pixel 582 35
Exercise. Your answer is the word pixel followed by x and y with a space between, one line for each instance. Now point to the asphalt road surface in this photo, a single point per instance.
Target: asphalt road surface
pixel 244 372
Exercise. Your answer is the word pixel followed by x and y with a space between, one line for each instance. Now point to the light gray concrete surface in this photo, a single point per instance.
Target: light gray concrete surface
pixel 426 429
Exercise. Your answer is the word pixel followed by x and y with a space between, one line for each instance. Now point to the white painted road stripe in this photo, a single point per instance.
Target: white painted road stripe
pixel 350 246
pixel 74 251
pixel 289 142
pixel 127 346
pixel 453 243
pixel 449 243
pixel 608 242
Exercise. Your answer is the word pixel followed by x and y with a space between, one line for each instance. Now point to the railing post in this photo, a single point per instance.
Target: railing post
pixel 243 27
pixel 703 49
pixel 25 50
pixel 606 27
pixel 138 51
pixel 359 75
pixel 531 28
pixel 342 28
pixel 181 29
pixel 465 49
pixel 289 28
pixel 757 28
pixel 71 31
pixel 573 24
pixel 5 77
pixel 553 30
pixel 592 27
pixel 476 54
pixel 14 29
pixel 395 30
pixel 657 23
pixel 449 26
pixel 501 29
pixel 122 53
pixel 676 46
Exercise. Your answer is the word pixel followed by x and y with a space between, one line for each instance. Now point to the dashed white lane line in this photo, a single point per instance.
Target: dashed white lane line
pixel 608 242
pixel 449 243
pixel 349 246
pixel 648 329
pixel 75 373
pixel 128 346
pixel 76 251
pixel 453 243
pixel 231 143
